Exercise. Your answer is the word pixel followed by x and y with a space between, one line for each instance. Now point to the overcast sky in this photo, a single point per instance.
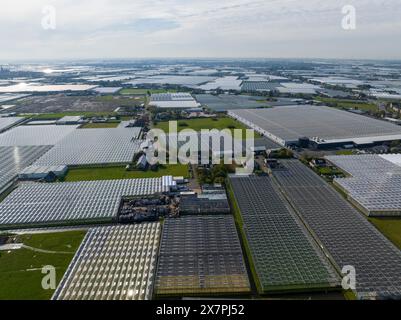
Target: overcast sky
pixel 201 28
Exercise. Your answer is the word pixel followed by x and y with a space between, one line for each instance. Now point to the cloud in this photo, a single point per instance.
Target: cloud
pixel 177 28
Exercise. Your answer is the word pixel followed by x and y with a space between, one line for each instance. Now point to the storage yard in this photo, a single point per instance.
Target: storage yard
pixel 276 238
pixel 113 263
pixel 375 182
pixel 323 126
pixel 201 255
pixel 346 235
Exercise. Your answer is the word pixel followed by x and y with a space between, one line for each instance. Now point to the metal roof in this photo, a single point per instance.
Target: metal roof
pixel 288 124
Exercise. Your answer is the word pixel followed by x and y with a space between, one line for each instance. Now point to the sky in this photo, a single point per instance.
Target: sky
pixel 112 29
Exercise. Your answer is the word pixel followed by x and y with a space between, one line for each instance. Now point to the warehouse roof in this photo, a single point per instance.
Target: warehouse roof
pixel 288 124
pixel 177 100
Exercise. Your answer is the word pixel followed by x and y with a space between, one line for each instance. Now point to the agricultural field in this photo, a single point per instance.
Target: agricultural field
pixel 20 270
pixel 390 227
pixel 349 104
pixel 345 153
pixel 111 173
pixel 206 123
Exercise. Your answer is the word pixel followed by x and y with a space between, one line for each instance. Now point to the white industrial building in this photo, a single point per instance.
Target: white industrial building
pixel 68 120
pixel 181 100
pixel 322 126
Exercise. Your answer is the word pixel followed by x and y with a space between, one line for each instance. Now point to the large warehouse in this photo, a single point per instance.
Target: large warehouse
pixel 375 182
pixel 323 126
pixel 179 100
pixel 113 263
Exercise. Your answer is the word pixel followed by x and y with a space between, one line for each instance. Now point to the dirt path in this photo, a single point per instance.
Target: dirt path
pixel 46 251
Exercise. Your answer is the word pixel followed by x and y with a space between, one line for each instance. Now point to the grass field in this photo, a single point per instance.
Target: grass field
pixel 344 153
pixel 390 227
pixel 143 91
pixel 206 123
pixel 129 101
pixel 111 173
pixel 349 104
pixel 100 125
pixel 20 270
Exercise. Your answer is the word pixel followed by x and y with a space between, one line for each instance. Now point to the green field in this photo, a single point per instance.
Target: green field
pixel 134 91
pixel 128 101
pixel 111 173
pixel 349 104
pixel 345 152
pixel 100 125
pixel 390 227
pixel 205 123
pixel 20 270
